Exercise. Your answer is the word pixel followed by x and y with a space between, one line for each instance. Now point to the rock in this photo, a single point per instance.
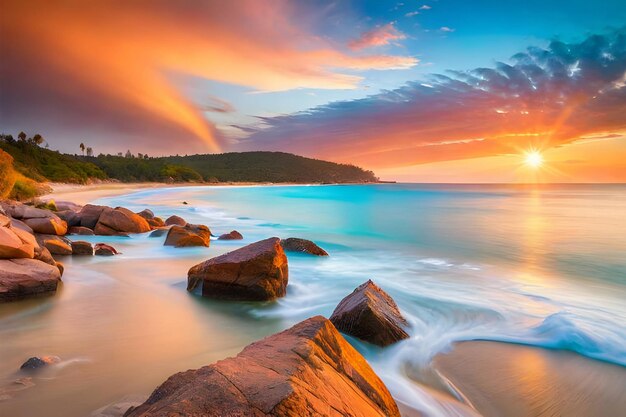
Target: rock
pixel 43 254
pixel 122 220
pixel 57 245
pixel 20 278
pixel 68 205
pixel 5 221
pixel 60 267
pixel 47 225
pixel 12 246
pixel 156 222
pixel 102 249
pixel 80 230
pixel 188 235
pixel 22 211
pixel 158 232
pixel 370 314
pixel 18 224
pixel 175 221
pixel 39 362
pixel 80 247
pixel 294 244
pixel 307 370
pixel 70 217
pixel 90 214
pixel 233 235
pixel 257 272
pixel 146 214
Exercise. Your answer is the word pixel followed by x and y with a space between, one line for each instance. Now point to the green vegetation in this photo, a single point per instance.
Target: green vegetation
pixel 7 174
pixel 41 164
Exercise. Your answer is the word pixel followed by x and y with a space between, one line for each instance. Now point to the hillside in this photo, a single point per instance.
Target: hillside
pixel 40 164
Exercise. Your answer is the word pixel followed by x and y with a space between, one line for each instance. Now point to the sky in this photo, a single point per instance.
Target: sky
pixel 420 91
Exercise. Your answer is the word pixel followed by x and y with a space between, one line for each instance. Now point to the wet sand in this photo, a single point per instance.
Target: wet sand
pixel 501 379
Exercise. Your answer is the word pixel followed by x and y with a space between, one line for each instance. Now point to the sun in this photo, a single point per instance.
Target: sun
pixel 533 159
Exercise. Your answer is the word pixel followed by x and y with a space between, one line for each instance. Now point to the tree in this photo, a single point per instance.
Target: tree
pixel 140 155
pixel 89 151
pixel 128 154
pixel 21 136
pixel 82 148
pixel 38 139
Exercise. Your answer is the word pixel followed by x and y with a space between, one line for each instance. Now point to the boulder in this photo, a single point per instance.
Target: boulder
pixel 257 272
pixel 37 362
pixel 123 220
pixel 90 214
pixel 370 314
pixel 60 267
pixel 80 247
pixel 103 230
pixel 102 249
pixel 18 224
pixel 21 278
pixel 146 214
pixel 159 232
pixel 43 254
pixel 80 230
pixel 307 370
pixel 233 235
pixel 23 211
pixel 156 222
pixel 12 246
pixel 70 217
pixel 175 221
pixel 58 247
pixel 5 221
pixel 188 235
pixel 48 225
pixel 294 244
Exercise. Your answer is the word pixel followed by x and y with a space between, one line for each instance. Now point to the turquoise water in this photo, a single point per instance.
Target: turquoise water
pixel 538 265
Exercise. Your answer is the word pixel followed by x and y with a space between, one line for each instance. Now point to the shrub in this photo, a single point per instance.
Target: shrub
pixel 26 189
pixel 7 174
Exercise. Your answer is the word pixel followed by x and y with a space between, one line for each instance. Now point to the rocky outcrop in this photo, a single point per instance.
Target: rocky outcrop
pixel 175 221
pixel 57 245
pixel 49 225
pixel 188 235
pixel 370 314
pixel 82 248
pixel 14 242
pixel 156 222
pixel 90 214
pixel 120 220
pixel 233 235
pixel 257 272
pixel 294 244
pixel 307 370
pixel 80 230
pixel 21 278
pixel 70 217
pixel 38 362
pixel 102 249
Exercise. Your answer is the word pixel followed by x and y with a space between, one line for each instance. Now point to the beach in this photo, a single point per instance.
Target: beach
pixel 436 250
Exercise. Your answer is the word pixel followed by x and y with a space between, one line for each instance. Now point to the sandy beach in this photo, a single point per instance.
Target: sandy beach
pixel 502 379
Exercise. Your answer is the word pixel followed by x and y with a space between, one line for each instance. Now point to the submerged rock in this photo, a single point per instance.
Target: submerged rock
pixel 39 362
pixel 233 235
pixel 21 278
pixel 294 244
pixel 370 314
pixel 175 221
pixel 307 370
pixel 188 235
pixel 257 272
pixel 102 249
pixel 158 232
pixel 81 247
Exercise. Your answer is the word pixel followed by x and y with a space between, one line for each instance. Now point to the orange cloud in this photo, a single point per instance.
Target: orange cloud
pixel 383 35
pixel 115 64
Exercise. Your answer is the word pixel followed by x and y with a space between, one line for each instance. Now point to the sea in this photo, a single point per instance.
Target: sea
pixel 539 265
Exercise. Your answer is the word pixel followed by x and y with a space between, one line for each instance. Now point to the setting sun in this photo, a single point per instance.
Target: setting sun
pixel 534 159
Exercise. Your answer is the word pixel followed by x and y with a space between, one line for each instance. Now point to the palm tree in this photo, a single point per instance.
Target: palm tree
pixel 22 136
pixel 82 148
pixel 37 139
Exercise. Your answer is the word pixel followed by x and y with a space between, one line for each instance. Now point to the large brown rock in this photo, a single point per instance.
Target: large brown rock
pixel 80 230
pixel 90 214
pixel 175 221
pixel 256 272
pixel 123 220
pixel 49 225
pixel 308 370
pixel 370 314
pixel 232 235
pixel 21 278
pixel 12 246
pixel 57 245
pixel 102 249
pixel 294 244
pixel 70 217
pixel 146 214
pixel 188 235
pixel 156 222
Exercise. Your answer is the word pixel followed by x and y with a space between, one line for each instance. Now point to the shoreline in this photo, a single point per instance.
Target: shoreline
pixel 499 378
